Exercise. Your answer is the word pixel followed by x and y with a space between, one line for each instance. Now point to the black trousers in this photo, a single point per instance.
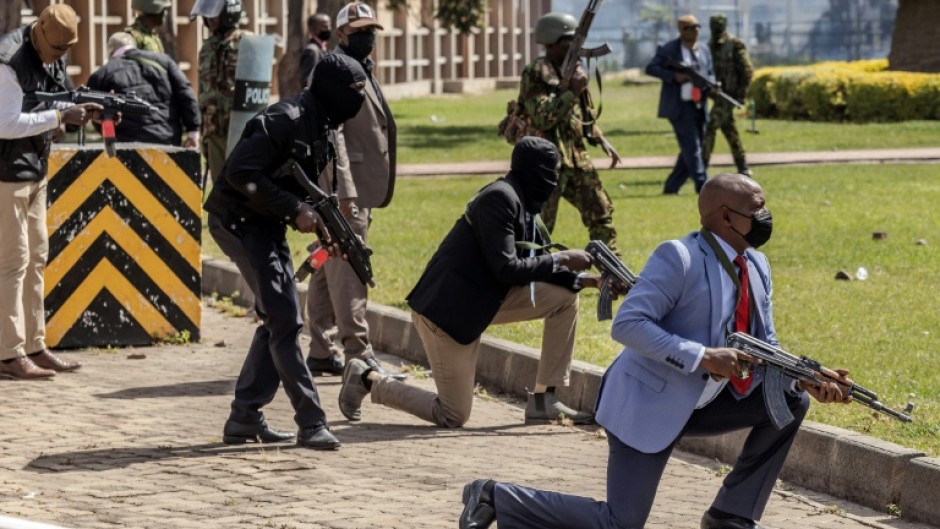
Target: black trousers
pixel 259 249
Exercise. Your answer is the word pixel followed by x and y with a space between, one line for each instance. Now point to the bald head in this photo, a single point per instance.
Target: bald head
pixel 318 21
pixel 726 203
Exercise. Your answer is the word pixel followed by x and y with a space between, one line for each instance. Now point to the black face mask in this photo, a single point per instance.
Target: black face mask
pixel 360 45
pixel 762 225
pixel 325 35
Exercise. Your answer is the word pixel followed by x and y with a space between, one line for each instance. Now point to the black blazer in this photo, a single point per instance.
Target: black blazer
pixel 468 277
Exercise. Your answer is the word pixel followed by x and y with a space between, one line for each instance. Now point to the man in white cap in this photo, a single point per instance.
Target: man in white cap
pixel 365 179
pixel 31 60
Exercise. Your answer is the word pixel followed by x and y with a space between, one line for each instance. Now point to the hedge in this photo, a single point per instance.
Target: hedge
pixel 860 91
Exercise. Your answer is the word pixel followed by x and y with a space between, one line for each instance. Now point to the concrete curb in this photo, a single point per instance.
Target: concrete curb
pixel 912 155
pixel 824 458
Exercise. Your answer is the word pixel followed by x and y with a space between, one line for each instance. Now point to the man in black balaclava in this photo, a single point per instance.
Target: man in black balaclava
pixel 485 271
pixel 250 207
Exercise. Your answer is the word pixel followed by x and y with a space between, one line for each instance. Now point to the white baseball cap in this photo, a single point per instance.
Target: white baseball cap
pixel 357 15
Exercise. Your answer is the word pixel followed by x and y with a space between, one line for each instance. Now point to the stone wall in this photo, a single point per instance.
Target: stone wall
pixel 915 47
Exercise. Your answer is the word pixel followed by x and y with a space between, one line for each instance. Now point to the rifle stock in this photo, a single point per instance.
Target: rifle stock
pixel 809 370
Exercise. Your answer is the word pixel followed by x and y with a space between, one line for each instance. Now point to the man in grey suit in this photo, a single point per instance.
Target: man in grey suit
pixel 676 377
pixel 365 179
pixel 684 105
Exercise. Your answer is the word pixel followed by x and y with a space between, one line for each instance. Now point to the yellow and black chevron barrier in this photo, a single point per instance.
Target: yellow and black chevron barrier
pixel 124 247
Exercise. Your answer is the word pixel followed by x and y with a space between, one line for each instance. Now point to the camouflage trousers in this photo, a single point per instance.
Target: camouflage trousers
pixel 584 190
pixel 214 147
pixel 722 117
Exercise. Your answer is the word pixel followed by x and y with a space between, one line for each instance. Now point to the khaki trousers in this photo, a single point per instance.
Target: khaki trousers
pixel 454 365
pixel 24 247
pixel 337 300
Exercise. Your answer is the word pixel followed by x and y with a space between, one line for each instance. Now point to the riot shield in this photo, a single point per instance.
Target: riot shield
pixel 252 83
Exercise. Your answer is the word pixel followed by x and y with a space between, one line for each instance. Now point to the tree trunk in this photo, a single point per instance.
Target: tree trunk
pixel 10 15
pixel 167 34
pixel 289 66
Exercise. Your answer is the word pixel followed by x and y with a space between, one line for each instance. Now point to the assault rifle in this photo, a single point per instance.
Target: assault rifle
pixel 612 270
pixel 357 254
pixel 112 104
pixel 808 370
pixel 576 50
pixel 700 81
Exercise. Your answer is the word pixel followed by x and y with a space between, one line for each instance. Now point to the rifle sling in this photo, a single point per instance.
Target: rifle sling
pixel 774 381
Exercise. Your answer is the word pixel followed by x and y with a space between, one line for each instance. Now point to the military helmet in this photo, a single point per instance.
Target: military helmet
pixel 150 7
pixel 551 27
pixel 230 11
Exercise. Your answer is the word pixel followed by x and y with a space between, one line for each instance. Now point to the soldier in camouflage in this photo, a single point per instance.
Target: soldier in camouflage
pixel 150 17
pixel 733 70
pixel 217 59
pixel 558 114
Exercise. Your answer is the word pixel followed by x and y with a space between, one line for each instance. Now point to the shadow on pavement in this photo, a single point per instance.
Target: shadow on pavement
pixel 205 388
pixel 103 459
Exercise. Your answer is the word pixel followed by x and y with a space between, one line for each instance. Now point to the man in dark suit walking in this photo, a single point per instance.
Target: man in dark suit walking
pixel 683 104
pixel 481 275
pixel 364 179
pixel 676 377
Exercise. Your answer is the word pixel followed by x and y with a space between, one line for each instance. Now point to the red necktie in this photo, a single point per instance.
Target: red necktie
pixel 742 322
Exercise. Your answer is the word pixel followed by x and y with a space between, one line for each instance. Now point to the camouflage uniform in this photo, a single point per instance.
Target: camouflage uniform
pixel 217 59
pixel 733 70
pixel 145 39
pixel 556 116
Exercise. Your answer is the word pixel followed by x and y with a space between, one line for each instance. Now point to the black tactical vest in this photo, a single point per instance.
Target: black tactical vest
pixel 26 159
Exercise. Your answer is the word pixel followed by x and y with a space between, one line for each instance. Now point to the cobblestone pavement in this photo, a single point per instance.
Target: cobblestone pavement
pixel 133 440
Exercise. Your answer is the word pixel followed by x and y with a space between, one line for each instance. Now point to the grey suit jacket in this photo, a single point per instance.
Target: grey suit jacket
pixel 650 391
pixel 366 153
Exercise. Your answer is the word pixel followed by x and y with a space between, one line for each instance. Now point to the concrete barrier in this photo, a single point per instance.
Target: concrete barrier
pixel 850 465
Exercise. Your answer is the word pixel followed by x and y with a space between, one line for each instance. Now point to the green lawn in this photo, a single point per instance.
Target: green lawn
pixel 463 128
pixel 884 329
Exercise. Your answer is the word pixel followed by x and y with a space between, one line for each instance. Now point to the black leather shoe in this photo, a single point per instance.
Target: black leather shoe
pixel 710 522
pixel 325 366
pixel 478 511
pixel 374 364
pixel 317 438
pixel 236 433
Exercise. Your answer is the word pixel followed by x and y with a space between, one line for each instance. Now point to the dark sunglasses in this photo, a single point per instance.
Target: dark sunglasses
pixel 692 26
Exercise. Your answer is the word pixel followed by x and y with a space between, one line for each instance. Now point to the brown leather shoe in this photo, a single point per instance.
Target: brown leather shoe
pixel 22 368
pixel 47 360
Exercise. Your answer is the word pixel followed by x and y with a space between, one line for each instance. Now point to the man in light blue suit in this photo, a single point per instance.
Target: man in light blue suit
pixel 672 379
pixel 681 103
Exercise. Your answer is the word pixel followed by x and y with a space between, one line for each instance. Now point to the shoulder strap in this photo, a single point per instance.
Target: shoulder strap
pixel 149 62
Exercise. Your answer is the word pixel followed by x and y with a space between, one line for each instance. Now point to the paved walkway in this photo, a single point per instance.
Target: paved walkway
pixel 133 440
pixel 920 155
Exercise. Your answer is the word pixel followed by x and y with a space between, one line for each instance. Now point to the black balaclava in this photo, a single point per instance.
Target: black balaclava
pixel 535 167
pixel 360 45
pixel 335 81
